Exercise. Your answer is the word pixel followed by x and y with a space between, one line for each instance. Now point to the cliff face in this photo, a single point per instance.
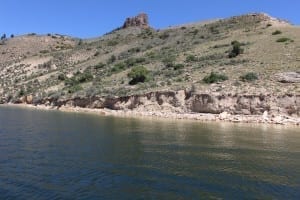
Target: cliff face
pixel 184 102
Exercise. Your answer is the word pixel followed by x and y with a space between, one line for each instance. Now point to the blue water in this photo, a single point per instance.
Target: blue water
pixel 55 155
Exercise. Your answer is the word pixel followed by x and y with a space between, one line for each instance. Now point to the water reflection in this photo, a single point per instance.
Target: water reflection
pixel 64 155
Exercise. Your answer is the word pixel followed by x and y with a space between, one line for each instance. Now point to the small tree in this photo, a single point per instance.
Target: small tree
pixel 12 36
pixel 236 49
pixel 138 74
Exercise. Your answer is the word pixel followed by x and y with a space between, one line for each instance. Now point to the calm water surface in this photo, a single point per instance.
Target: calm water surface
pixel 55 155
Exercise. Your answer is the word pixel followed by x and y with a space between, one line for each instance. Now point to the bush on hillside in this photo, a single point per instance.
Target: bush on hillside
pixel 251 76
pixel 111 59
pixel 79 78
pixel 277 32
pixel 138 74
pixel 191 58
pixel 99 65
pixel 236 49
pixel 284 39
pixel 61 77
pixel 214 78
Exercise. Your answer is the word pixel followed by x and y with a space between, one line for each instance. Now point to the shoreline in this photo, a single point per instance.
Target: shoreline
pixel 203 117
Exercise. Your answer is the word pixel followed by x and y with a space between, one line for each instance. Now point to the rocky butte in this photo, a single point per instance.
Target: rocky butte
pixel 141 20
pixel 243 68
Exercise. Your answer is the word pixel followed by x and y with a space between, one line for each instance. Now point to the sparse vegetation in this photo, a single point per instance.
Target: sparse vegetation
pixel 174 58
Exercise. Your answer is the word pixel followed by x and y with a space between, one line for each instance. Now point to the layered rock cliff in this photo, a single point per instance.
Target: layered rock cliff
pixel 183 102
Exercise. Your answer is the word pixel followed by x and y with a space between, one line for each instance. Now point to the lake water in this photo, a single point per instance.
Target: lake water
pixel 56 155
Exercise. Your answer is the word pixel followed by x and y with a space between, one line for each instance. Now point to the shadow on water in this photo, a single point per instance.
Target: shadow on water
pixel 50 154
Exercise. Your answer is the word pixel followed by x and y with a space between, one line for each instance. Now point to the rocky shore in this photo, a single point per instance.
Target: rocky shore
pixel 271 109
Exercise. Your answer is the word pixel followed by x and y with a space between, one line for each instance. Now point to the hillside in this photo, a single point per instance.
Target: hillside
pixel 253 54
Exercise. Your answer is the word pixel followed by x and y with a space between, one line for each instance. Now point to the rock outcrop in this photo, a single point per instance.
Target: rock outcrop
pixel 262 18
pixel 288 77
pixel 140 20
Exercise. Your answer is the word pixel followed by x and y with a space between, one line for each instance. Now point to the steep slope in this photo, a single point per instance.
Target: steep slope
pixel 248 51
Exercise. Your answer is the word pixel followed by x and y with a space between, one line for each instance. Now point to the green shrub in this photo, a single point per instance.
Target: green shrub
pixel 194 32
pixel 169 60
pixel 138 74
pixel 214 78
pixel 61 77
pixel 178 66
pixel 236 49
pixel 44 51
pixel 112 59
pixel 112 43
pixel 74 89
pixel 84 77
pixel 251 76
pixel 79 78
pixel 191 58
pixel 284 39
pixel 97 53
pixel 130 62
pixel 118 67
pixel 277 32
pixel 99 65
pixel 164 36
pixel 21 92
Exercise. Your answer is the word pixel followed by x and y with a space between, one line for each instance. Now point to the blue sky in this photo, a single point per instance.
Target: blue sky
pixel 91 18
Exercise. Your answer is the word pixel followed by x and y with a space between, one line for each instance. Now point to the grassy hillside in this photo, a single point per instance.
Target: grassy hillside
pixel 237 55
